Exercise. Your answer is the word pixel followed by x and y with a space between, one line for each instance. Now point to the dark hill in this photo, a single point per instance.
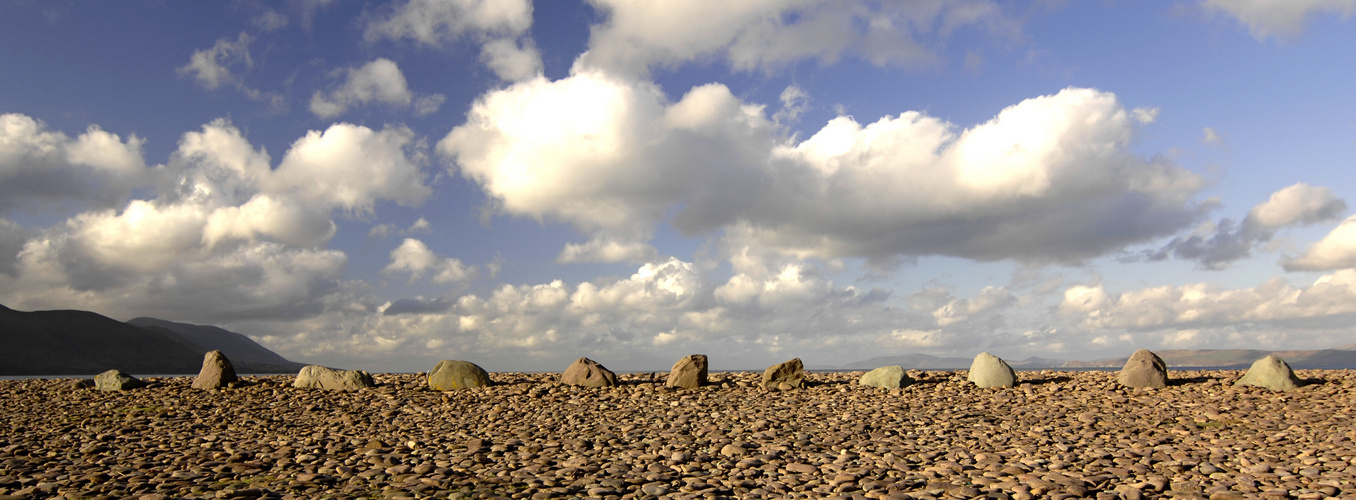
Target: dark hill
pixel 84 343
pixel 245 354
pixel 69 342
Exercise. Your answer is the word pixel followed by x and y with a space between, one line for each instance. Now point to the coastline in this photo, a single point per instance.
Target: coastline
pixel 1058 434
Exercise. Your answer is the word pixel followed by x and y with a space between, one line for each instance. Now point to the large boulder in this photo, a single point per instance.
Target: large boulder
pixel 1272 373
pixel 1144 369
pixel 785 376
pixel 688 373
pixel 450 375
pixel 216 372
pixel 116 380
pixel 991 371
pixel 588 373
pixel 889 377
pixel 319 377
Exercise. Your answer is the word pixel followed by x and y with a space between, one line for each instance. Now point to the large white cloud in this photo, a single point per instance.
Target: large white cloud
pixel 226 236
pixel 44 168
pixel 1337 250
pixel 1048 179
pixel 763 34
pixel 351 166
pixel 1283 19
pixel 609 154
pixel 499 25
pixel 1330 300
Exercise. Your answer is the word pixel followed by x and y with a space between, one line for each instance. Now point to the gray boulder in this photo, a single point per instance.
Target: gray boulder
pixel 785 376
pixel 216 372
pixel 450 375
pixel 116 380
pixel 588 373
pixel 1144 369
pixel 688 373
pixel 1272 373
pixel 991 371
pixel 889 377
pixel 319 377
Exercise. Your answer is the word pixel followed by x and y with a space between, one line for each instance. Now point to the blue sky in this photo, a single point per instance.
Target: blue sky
pixel 519 184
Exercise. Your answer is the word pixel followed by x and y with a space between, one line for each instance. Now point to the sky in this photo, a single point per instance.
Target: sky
pixel 384 185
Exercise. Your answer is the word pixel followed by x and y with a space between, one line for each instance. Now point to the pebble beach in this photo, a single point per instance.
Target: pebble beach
pixel 1057 434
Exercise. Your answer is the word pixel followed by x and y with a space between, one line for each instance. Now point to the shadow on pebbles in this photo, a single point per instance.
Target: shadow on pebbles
pixel 1056 435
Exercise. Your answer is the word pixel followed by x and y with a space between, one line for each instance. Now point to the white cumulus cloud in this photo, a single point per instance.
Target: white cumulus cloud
pixel 500 26
pixel 415 258
pixel 377 81
pixel 225 236
pixel 224 64
pixel 1330 300
pixel 43 168
pixel 764 34
pixel 1337 250
pixel 1048 179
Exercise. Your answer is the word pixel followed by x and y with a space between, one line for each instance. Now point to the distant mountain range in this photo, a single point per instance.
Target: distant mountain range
pixel 1336 358
pixel 926 362
pixel 70 342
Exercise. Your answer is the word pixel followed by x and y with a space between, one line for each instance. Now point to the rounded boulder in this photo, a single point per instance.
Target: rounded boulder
pixel 1272 373
pixel 450 375
pixel 1144 369
pixel 988 371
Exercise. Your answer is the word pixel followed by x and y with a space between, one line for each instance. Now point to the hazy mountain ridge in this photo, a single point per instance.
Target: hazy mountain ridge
pixel 241 350
pixel 73 342
pixel 1342 357
pixel 1335 358
pixel 927 362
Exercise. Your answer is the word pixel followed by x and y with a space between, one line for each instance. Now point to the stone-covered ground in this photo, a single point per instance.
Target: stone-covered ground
pixel 1057 435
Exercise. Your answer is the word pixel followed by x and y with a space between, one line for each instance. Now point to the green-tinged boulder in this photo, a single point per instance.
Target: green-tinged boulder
pixel 1144 369
pixel 450 375
pixel 784 376
pixel 688 373
pixel 1272 373
pixel 991 371
pixel 889 377
pixel 319 377
pixel 116 380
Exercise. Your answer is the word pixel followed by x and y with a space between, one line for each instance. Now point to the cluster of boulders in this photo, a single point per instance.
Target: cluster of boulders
pixel 1144 369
